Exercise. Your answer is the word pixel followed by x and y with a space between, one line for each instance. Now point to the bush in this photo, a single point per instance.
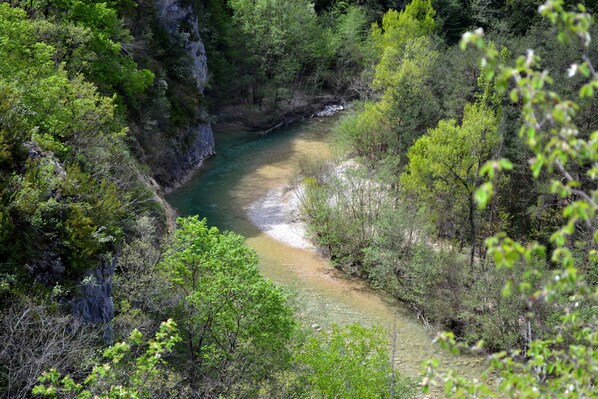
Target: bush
pixel 349 362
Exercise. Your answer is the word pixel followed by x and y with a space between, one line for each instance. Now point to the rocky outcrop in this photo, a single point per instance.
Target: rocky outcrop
pixel 90 299
pixel 197 143
pixel 173 14
pixel 184 163
pixel 93 302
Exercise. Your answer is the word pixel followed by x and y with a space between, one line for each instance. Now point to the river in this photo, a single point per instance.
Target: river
pixel 245 168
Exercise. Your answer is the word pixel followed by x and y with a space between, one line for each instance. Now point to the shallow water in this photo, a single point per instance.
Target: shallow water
pixel 246 168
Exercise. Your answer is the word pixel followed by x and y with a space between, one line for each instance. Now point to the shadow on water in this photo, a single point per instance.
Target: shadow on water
pixel 218 192
pixel 246 168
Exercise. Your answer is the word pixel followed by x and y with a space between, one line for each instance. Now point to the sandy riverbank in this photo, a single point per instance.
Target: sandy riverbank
pixel 278 215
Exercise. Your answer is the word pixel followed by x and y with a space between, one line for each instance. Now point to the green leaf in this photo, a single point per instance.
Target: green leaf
pixel 586 90
pixel 507 289
pixel 537 166
pixel 514 96
pixel 584 69
pixel 505 164
pixel 484 194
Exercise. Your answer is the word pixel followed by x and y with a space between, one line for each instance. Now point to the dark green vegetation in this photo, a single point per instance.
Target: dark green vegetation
pixel 97 97
pixel 230 332
pixel 73 99
pixel 94 99
pixel 69 188
pixel 407 218
pixel 288 50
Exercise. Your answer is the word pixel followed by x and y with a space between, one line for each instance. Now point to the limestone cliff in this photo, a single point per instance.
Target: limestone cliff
pixel 172 14
pixel 92 303
pixel 197 143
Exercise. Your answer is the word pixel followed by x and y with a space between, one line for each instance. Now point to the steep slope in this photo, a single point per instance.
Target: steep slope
pixel 180 21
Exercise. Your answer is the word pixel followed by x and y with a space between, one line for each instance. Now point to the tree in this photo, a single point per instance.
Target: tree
pixel 564 362
pixel 349 362
pixel 405 59
pixel 282 37
pixel 229 315
pixel 346 51
pixel 126 374
pixel 444 164
pixel 91 38
pixel 416 20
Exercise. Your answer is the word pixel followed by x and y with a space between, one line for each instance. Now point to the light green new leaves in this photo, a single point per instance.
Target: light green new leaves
pixel 228 309
pixel 347 362
pixel 123 376
pixel 565 362
pixel 404 60
pixel 445 161
pixel 416 20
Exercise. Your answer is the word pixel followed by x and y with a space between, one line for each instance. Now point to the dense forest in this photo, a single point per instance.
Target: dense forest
pixel 464 186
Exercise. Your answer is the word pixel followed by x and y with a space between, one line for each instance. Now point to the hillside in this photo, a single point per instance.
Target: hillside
pixel 469 195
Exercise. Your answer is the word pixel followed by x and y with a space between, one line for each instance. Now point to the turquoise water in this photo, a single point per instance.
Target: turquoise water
pixel 245 168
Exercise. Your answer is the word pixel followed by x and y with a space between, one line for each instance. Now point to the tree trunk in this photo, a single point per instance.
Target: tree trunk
pixel 472 234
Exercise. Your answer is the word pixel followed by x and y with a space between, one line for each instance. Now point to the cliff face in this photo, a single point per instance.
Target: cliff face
pixel 172 14
pixel 197 142
pixel 93 301
pixel 188 158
